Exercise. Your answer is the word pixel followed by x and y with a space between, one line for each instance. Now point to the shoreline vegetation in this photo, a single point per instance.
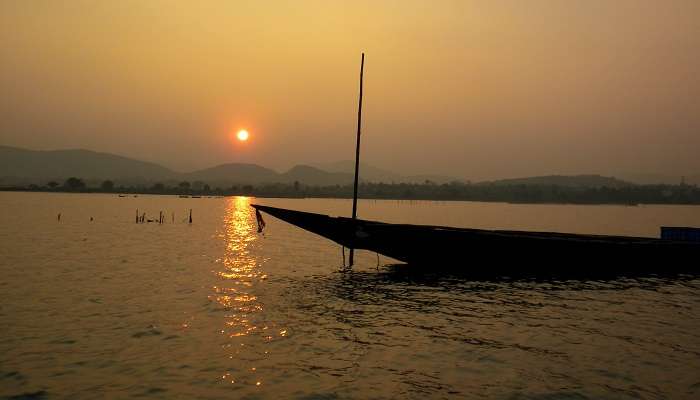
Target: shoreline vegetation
pixel 455 191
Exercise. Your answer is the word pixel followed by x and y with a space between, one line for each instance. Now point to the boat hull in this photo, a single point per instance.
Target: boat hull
pixel 503 253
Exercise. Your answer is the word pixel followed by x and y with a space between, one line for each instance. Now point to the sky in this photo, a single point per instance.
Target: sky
pixel 474 89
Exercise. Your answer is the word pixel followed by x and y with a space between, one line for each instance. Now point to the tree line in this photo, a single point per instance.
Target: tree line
pixel 517 193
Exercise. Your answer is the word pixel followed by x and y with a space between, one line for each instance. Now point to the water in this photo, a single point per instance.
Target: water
pixel 214 310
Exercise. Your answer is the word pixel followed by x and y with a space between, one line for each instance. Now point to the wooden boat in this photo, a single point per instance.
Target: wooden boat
pixel 500 252
pixel 494 253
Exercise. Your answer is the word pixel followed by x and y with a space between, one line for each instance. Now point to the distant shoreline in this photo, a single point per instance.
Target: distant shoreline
pixel 517 194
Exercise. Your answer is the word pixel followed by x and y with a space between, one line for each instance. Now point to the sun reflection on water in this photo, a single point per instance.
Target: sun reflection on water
pixel 240 276
pixel 241 269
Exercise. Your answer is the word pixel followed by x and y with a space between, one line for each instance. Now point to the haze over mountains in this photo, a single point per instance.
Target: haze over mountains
pixel 21 166
pixel 374 174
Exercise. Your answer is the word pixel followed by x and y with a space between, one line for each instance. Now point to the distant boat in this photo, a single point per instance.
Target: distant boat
pixel 507 253
pixel 122 195
pixel 184 196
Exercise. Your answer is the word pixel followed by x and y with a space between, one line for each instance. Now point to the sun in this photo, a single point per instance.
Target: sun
pixel 242 135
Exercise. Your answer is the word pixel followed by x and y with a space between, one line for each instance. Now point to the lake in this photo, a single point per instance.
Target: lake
pixel 113 309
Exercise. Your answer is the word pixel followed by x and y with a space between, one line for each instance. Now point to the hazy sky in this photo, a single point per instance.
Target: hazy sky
pixel 477 89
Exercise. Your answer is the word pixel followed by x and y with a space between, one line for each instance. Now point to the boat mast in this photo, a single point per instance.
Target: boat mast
pixel 357 157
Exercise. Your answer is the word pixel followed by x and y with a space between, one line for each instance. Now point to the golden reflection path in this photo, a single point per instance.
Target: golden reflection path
pixel 240 273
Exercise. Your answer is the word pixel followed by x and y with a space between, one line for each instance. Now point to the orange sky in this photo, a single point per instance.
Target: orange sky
pixel 475 89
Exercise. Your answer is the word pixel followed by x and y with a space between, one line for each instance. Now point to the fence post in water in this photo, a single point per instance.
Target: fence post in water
pixel 59 217
pixel 173 217
pixel 137 215
pixel 190 215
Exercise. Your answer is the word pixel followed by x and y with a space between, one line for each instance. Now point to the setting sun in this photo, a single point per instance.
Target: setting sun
pixel 242 135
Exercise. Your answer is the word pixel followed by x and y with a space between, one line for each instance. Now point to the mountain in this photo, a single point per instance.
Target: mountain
pixel 21 167
pixel 236 174
pixel 30 166
pixel 316 177
pixel 226 175
pixel 582 181
pixel 369 173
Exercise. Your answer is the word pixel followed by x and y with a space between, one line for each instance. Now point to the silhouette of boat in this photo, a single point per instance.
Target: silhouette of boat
pixel 498 252
pixel 506 253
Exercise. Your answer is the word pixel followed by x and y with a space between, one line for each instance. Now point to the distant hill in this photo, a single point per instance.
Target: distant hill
pixel 228 174
pixel 235 174
pixel 369 173
pixel 31 166
pixel 583 181
pixel 313 176
pixel 21 167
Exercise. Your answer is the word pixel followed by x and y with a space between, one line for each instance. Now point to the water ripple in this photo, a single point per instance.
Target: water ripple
pixel 215 310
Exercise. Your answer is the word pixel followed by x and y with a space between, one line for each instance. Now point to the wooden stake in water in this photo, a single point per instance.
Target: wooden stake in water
pixel 190 215
pixel 357 158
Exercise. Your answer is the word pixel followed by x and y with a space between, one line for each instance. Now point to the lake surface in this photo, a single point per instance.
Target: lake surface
pixel 213 310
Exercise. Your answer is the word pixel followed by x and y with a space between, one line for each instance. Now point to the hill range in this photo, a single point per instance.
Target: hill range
pixel 21 167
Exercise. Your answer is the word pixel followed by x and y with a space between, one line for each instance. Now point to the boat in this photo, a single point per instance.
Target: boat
pixel 506 253
pixel 498 253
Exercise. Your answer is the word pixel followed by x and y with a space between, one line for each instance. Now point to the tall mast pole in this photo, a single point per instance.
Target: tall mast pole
pixel 357 157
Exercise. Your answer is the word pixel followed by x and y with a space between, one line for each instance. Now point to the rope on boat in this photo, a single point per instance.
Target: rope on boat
pixel 261 221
